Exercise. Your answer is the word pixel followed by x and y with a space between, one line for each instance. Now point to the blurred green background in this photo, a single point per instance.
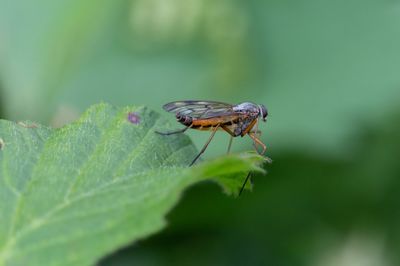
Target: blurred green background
pixel 328 71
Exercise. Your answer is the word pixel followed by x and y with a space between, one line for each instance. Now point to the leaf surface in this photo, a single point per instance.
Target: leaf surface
pixel 69 196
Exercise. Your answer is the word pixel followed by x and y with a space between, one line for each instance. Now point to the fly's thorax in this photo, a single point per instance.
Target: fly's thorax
pixel 184 119
pixel 237 131
pixel 247 124
pixel 247 108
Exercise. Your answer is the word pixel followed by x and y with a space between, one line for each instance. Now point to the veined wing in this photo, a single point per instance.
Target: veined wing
pixel 200 109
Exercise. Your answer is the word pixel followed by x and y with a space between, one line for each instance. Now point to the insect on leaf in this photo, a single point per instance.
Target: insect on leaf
pixel 70 196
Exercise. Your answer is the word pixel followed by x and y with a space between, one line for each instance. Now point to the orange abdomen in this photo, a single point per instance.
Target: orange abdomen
pixel 207 124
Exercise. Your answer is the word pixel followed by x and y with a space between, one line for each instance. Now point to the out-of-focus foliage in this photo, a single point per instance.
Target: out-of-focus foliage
pixel 311 62
pixel 326 70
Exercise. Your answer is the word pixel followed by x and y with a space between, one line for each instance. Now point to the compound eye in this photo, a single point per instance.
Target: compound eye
pixel 264 112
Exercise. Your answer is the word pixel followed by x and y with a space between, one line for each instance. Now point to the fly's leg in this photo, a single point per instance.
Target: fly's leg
pixel 232 136
pixel 256 132
pixel 229 147
pixel 259 142
pixel 206 145
pixel 230 144
pixel 172 132
pixel 256 141
pixel 245 182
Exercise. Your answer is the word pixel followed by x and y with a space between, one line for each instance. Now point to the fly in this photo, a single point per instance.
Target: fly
pixel 237 120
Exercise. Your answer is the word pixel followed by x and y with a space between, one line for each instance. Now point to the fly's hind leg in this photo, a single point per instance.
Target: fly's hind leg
pixel 206 145
pixel 172 132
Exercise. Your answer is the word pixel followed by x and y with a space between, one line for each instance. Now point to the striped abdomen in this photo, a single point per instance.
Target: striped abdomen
pixel 184 119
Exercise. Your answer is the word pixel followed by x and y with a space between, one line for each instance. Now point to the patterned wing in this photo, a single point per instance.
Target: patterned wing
pixel 199 109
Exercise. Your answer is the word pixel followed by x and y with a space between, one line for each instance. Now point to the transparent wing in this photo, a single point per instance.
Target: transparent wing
pixel 199 109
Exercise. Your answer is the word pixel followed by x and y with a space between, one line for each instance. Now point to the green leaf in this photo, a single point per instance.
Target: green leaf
pixel 72 195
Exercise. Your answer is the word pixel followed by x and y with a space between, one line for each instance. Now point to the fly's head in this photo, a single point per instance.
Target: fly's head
pixel 252 110
pixel 263 112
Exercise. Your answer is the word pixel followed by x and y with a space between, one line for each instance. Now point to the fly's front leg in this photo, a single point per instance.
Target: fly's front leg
pixel 256 132
pixel 259 142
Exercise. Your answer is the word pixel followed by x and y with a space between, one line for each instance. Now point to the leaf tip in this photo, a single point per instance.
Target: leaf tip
pixel 230 171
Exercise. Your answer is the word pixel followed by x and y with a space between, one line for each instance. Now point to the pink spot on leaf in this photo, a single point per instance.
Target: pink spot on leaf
pixel 133 118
